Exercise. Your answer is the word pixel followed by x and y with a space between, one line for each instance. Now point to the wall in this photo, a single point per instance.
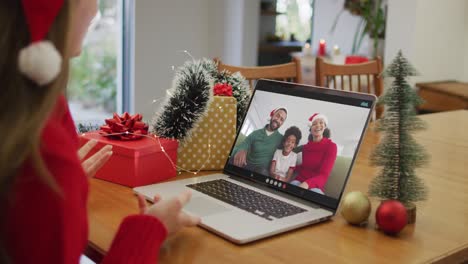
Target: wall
pixel 162 30
pixel 239 24
pixel 325 13
pixel 400 29
pixel 464 76
pixel 205 28
pixel 250 33
pixel 432 35
pixel 439 42
pixel 234 26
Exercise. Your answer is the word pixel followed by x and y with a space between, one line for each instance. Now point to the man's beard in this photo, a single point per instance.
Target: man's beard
pixel 271 127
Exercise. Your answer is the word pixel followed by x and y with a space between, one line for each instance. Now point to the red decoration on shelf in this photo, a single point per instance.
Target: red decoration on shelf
pixel 353 59
pixel 125 127
pixel 222 89
pixel 391 216
pixel 322 48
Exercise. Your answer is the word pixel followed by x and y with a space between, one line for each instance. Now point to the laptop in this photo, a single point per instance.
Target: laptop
pixel 248 202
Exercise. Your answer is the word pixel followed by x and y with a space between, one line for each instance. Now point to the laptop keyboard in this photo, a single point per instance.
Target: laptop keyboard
pixel 247 199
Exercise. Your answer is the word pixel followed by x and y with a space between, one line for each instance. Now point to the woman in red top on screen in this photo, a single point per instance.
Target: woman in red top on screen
pixel 43 179
pixel 318 156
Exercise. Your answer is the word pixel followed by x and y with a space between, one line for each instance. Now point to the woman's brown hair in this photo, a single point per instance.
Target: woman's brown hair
pixel 25 106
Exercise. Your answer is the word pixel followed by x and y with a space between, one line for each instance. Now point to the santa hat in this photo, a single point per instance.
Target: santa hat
pixel 318 116
pixel 40 61
pixel 276 110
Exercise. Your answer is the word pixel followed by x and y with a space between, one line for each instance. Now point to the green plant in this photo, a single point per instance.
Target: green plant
pixel 372 21
pixel 93 77
pixel 87 127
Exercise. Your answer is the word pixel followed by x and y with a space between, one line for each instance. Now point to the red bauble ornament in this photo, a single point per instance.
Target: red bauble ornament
pixel 391 216
pixel 222 89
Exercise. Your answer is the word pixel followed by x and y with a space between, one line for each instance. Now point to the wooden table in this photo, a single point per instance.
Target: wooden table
pixel 443 96
pixel 439 235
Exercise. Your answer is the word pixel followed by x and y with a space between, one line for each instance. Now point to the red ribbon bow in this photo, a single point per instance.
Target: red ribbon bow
pixel 222 89
pixel 126 127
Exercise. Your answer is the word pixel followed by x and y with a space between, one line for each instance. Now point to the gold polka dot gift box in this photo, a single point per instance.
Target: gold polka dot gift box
pixel 210 142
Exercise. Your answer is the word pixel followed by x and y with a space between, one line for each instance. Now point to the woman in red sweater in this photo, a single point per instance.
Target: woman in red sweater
pixel 318 157
pixel 43 181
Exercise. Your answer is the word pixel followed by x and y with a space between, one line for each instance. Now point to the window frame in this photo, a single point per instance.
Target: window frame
pixel 125 92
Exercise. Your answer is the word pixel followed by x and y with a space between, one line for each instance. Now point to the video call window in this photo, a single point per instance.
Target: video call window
pixel 304 142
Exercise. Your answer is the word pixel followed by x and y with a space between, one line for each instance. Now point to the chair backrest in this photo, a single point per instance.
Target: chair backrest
pixel 362 77
pixel 290 72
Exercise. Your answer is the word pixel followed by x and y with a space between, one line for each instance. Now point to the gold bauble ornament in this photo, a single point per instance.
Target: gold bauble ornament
pixel 356 208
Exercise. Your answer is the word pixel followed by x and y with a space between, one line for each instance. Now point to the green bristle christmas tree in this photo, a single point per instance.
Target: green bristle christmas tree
pixel 398 153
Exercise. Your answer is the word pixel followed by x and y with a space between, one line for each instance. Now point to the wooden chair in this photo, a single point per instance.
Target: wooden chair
pixel 283 72
pixel 363 77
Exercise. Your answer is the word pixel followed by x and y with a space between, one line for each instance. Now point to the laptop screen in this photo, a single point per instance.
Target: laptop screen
pixel 300 139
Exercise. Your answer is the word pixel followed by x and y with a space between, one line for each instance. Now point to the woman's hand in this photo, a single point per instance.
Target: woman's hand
pixel 92 164
pixel 169 212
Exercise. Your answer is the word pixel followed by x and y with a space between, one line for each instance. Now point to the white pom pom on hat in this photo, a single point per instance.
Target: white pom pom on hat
pixel 40 61
pixel 317 116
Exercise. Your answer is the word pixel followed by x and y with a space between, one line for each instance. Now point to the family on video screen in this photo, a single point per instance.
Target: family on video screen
pixel 268 152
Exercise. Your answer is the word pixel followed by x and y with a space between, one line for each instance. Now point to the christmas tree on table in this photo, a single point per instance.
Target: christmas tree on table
pixel 398 153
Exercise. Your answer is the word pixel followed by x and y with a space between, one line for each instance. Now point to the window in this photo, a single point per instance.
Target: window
pixel 96 77
pixel 296 23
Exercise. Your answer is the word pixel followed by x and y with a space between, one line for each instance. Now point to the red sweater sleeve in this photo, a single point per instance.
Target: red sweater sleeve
pixel 137 241
pixel 41 226
pixel 139 236
pixel 326 167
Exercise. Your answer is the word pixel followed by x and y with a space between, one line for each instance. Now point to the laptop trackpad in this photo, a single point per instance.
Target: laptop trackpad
pixel 202 206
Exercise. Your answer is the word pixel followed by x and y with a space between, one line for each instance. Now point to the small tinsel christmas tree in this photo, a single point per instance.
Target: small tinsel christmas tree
pixel 187 102
pixel 190 96
pixel 398 153
pixel 240 88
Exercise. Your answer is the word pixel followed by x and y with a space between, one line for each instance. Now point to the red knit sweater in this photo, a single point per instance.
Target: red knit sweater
pixel 42 226
pixel 318 159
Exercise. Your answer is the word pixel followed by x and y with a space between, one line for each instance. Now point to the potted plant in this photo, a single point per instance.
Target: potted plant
pixel 372 22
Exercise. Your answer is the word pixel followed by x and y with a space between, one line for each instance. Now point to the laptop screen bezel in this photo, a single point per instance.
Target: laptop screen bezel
pixel 315 93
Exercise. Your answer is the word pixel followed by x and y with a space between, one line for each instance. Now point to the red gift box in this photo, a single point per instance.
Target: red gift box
pixel 136 162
